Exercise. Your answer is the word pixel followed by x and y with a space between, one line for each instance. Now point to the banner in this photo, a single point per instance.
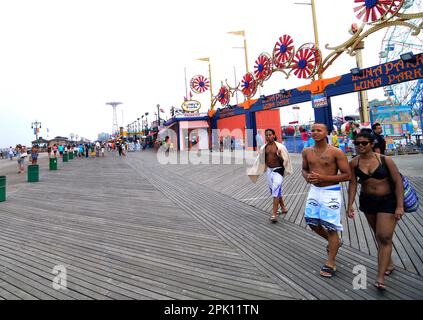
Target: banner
pixel 395 120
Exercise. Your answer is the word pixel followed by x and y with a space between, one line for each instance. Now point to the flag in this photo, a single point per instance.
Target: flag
pixel 238 33
pixel 161 110
pixel 204 59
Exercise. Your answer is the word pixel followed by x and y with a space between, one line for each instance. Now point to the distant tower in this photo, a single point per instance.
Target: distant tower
pixel 115 127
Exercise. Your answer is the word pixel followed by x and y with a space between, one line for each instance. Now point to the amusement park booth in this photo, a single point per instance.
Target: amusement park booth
pixel 268 119
pixel 187 130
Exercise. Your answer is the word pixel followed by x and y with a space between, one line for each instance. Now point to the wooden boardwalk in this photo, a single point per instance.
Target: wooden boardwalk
pixel 408 239
pixel 129 228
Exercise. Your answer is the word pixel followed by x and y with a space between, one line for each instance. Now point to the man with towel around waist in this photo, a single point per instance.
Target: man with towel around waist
pixel 321 164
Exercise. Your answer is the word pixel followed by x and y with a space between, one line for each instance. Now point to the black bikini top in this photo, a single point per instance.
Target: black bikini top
pixel 380 173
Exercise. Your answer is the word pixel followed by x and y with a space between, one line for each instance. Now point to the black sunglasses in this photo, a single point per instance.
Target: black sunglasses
pixel 363 143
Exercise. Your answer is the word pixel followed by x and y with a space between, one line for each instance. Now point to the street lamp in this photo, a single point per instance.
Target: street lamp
pixel 36 125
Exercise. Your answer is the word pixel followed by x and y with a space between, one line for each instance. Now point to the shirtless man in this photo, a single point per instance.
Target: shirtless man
pixel 321 164
pixel 275 156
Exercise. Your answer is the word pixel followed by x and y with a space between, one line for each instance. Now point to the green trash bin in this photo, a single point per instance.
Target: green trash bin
pixel 33 173
pixel 53 163
pixel 70 155
pixel 2 188
pixel 65 157
pixel 75 153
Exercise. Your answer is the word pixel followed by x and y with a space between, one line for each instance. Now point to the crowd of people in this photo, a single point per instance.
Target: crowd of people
pixel 349 138
pixel 324 167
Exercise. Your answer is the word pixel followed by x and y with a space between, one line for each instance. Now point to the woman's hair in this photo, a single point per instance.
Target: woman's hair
pixel 365 134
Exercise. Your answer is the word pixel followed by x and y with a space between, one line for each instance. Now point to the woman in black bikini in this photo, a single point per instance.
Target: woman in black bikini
pixel 381 198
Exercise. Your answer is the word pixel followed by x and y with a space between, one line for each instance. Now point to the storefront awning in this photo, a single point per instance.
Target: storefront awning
pixel 194 124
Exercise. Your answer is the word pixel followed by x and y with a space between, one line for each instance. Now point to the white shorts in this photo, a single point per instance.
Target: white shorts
pixel 323 207
pixel 274 181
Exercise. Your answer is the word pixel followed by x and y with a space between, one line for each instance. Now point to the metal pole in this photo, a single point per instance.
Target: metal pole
pixel 211 88
pixel 186 85
pixel 158 116
pixel 421 128
pixel 245 52
pixel 235 84
pixel 316 34
pixel 364 101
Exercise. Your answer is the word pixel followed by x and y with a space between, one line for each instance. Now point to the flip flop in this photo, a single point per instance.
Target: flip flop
pixel 280 211
pixel 329 270
pixel 388 272
pixel 380 286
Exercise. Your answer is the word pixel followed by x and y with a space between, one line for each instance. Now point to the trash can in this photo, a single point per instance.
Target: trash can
pixel 53 163
pixel 2 188
pixel 65 157
pixel 33 173
pixel 75 153
pixel 70 155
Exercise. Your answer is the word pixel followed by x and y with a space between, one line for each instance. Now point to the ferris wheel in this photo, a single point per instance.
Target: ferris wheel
pixel 399 40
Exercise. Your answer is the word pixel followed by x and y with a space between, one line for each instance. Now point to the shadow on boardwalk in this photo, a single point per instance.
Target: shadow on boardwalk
pixel 131 228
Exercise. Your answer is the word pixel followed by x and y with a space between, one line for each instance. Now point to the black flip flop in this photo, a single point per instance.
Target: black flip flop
pixel 331 271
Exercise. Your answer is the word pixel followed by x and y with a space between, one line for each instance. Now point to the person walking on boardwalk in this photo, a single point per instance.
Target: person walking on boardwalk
pixel 61 150
pixel 55 149
pixel 334 139
pixel 86 147
pixel 321 164
pixel 34 154
pixel 21 155
pixel 381 198
pixel 11 153
pixel 120 149
pixel 102 149
pixel 274 158
pixel 379 145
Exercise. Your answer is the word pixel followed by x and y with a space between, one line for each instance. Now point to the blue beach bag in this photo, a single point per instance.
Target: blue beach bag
pixel 411 200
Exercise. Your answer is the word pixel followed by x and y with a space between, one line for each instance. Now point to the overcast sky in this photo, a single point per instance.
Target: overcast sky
pixel 61 61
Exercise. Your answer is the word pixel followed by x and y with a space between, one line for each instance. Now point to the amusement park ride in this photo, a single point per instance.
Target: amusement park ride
pixel 401 18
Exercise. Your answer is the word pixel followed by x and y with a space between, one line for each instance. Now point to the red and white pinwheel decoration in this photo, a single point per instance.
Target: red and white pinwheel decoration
pixel 224 96
pixel 283 51
pixel 371 11
pixel 248 85
pixel 306 61
pixel 199 84
pixel 263 67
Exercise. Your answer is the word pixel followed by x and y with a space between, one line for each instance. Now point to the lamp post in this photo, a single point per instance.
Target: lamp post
pixel 158 116
pixel 138 120
pixel 146 122
pixel 36 125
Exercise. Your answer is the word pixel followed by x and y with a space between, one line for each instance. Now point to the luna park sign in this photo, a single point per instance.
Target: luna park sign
pixel 191 105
